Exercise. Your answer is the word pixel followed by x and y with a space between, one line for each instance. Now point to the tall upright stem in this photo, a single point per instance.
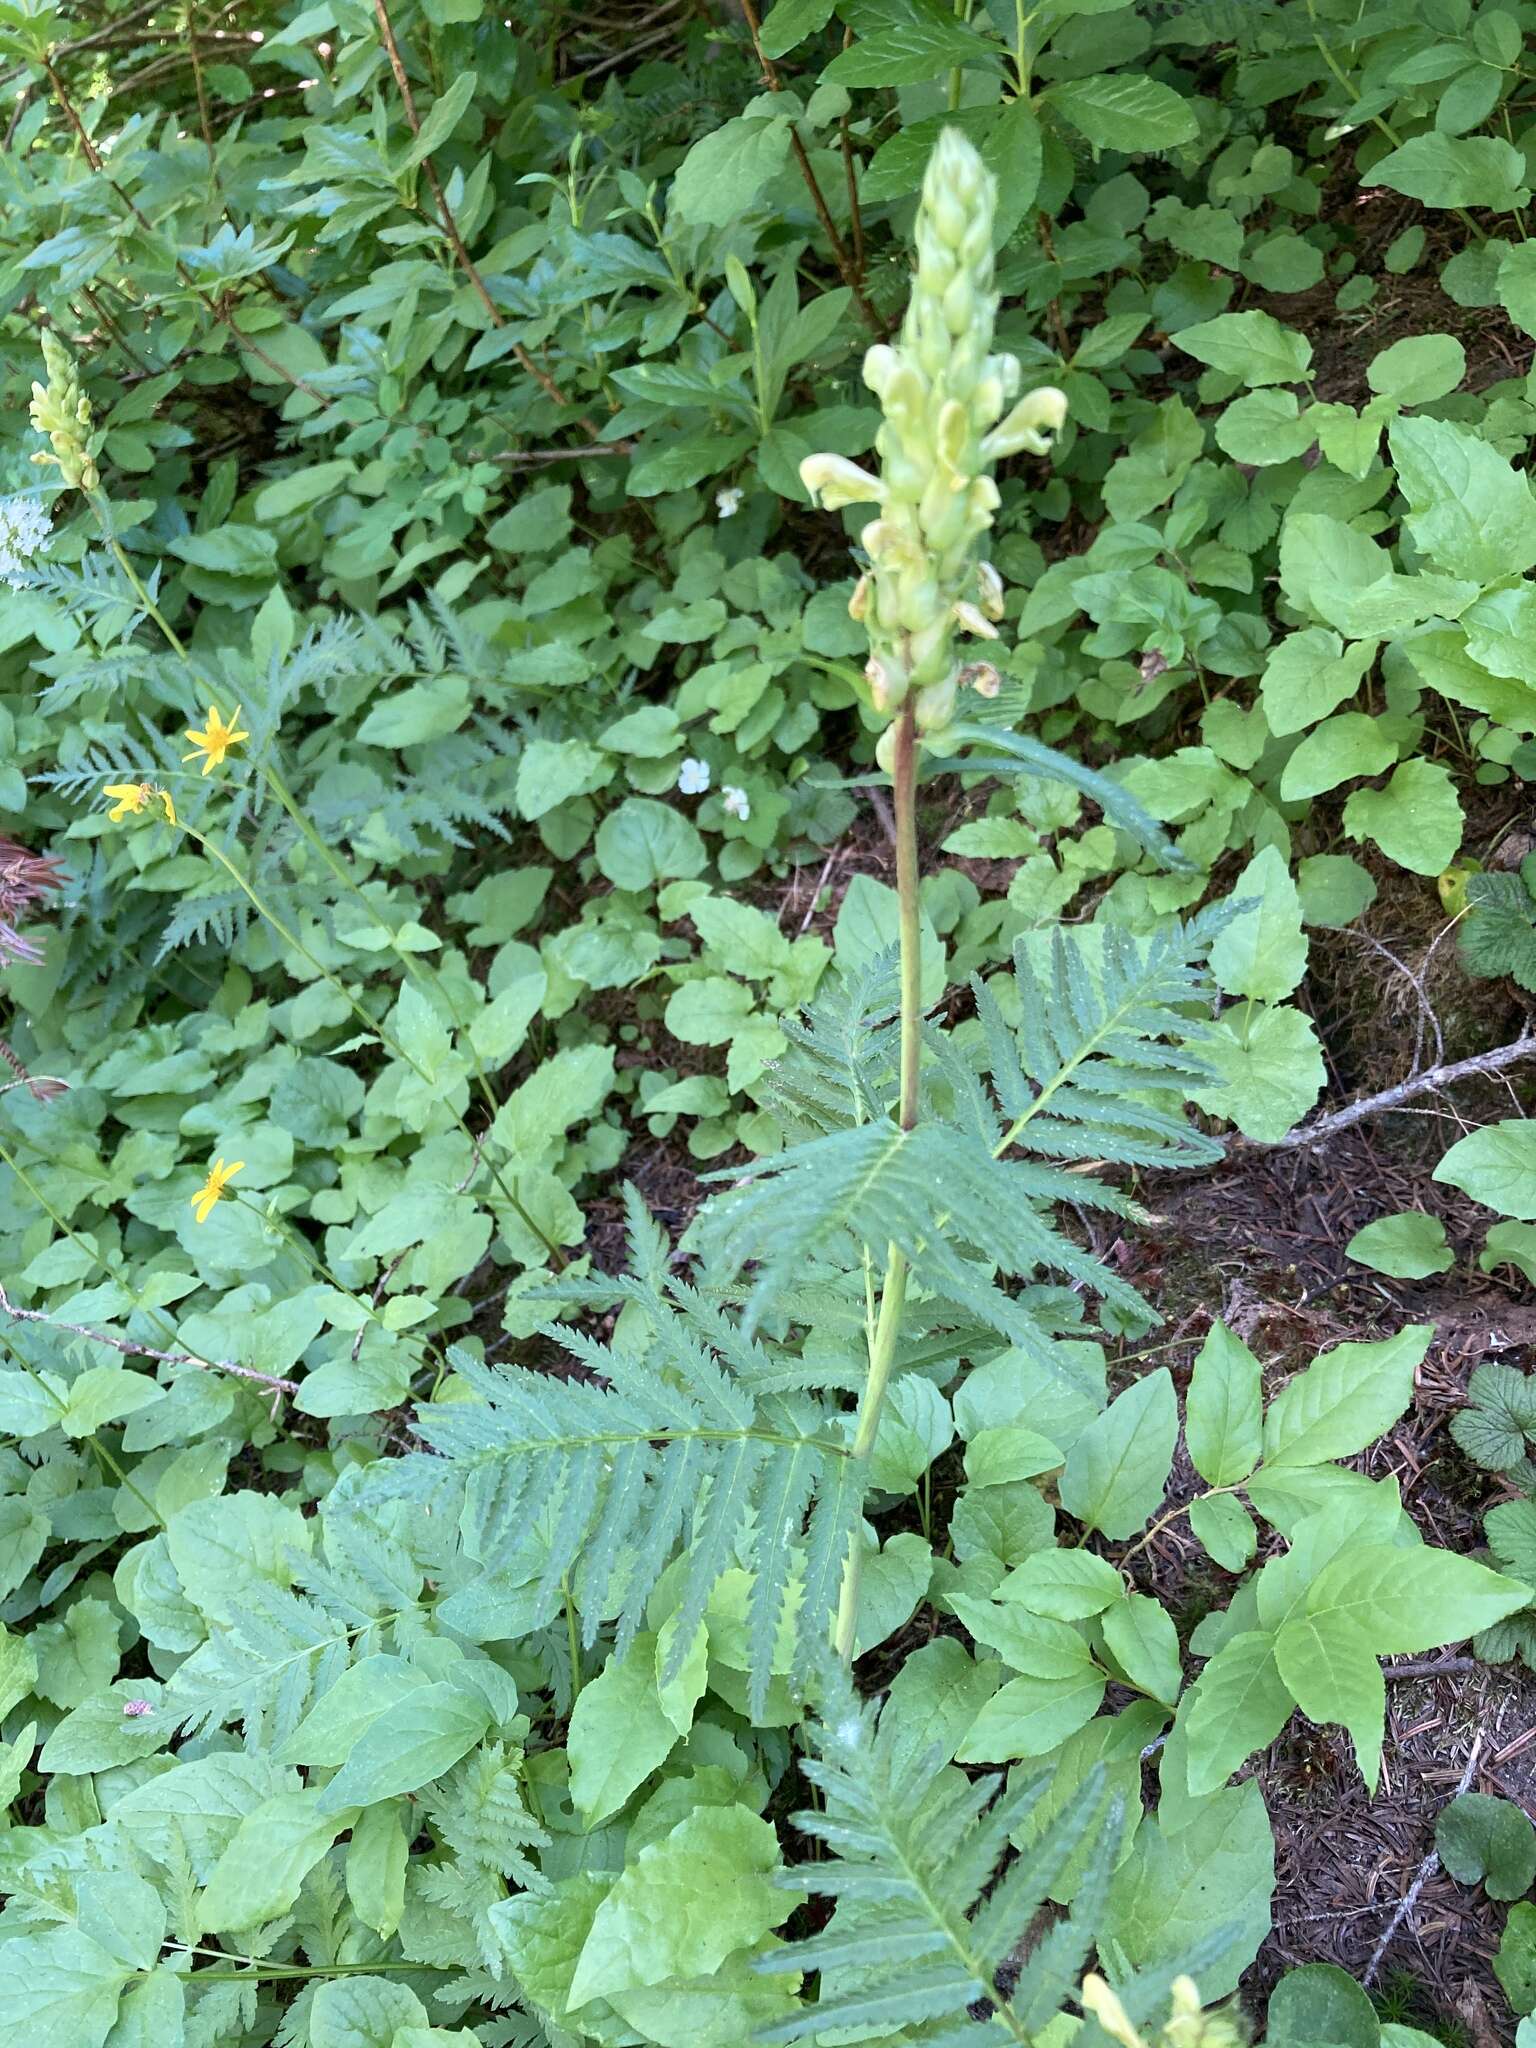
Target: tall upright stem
pixel 893 1289
pixel 904 778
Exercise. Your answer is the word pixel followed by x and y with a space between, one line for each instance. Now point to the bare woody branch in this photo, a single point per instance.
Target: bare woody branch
pixel 129 1349
pixel 1494 1062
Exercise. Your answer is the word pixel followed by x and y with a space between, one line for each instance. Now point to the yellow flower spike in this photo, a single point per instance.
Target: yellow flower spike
pixel 131 796
pixel 216 741
pixel 219 1178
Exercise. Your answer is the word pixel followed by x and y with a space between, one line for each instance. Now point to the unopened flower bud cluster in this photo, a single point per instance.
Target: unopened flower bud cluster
pixel 1186 2027
pixel 944 395
pixel 61 410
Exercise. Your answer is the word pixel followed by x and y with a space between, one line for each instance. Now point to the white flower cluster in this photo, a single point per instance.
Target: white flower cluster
pixel 24 528
pixel 693 780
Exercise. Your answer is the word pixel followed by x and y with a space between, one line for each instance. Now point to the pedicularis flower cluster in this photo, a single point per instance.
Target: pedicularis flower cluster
pixel 943 394
pixel 61 410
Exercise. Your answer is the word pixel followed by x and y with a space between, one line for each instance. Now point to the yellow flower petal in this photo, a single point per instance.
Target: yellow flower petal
pixel 219 1177
pixel 216 738
pixel 131 796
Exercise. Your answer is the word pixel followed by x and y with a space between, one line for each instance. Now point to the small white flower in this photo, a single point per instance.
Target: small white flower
pixel 693 777
pixel 728 501
pixel 735 801
pixel 24 528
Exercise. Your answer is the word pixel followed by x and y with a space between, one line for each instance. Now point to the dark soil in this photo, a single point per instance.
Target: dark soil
pixel 1262 1239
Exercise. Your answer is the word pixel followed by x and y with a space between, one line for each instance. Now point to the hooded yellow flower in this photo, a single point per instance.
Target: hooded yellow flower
pixel 219 1178
pixel 216 740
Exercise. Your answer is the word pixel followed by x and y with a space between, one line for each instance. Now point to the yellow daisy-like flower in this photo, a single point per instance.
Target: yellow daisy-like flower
pixel 219 1178
pixel 131 796
pixel 216 740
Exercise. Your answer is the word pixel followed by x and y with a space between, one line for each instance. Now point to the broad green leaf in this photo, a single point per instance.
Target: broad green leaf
pixel 423 1734
pixel 543 1934
pixel 377 1856
pixel 644 842
pixel 791 21
pixel 1341 748
pixel 734 2003
pixel 904 42
pixel 1335 1677
pixel 116 1727
pixel 1487 1841
pixel 1117 1470
pixel 229 550
pixel 869 924
pixel 679 1695
pixel 997 1457
pixel 1264 427
pixel 18 1672
pixel 103 1394
pixel 1183 1887
pixel 1409 1246
pixel 1223 1410
pixel 709 1011
pixel 1271 1069
pixel 1143 1641
pixel 1455 170
pixel 1124 111
pixel 1059 1688
pixel 363 2012
pixel 1262 952
pixel 1416 820
pixel 442 118
pixel 59 1989
pixel 1344 1400
pixel 1515 1963
pixel 1238 1704
pixel 77 1654
pixel 1226 1529
pixel 740 938
pixel 1496 1166
pixel 1334 889
pixel 273 1850
pixel 1253 346
pixel 195 1809
pixel 1510 1244
pixel 728 170
pixel 1319 2003
pixel 1418 369
pixel 916 1427
pixel 226 1548
pixel 1119 1467
pixel 684 1904
pixel 302 487
pixel 1068 1585
pixel 1516 285
pixel 1471 511
pixel 550 772
pixel 1401 1600
pixel 934 1698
